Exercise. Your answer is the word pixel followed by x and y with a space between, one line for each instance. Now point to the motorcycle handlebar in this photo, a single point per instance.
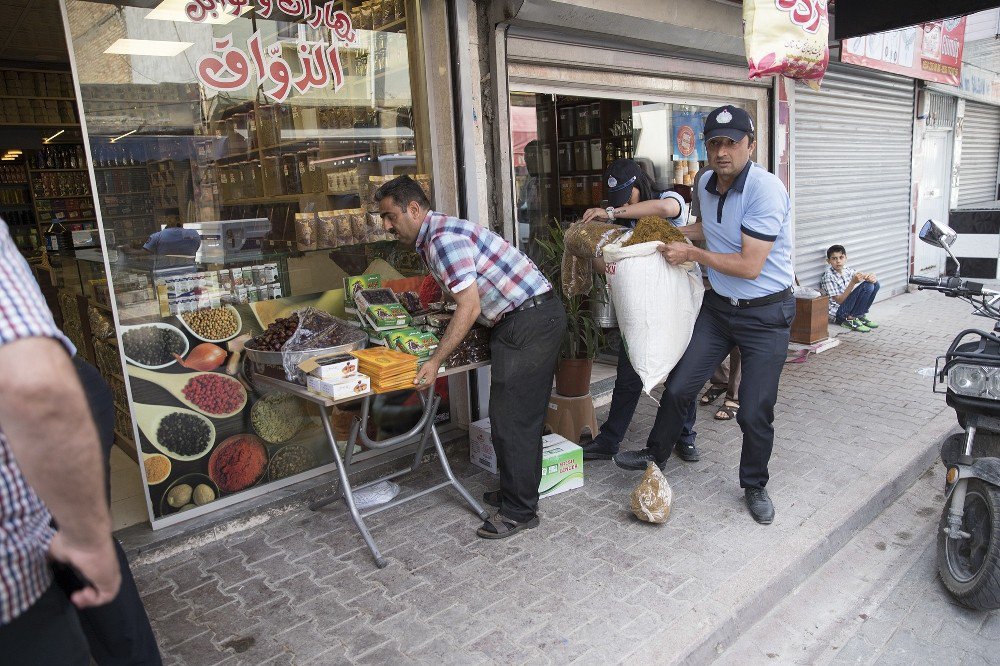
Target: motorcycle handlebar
pixel 950 284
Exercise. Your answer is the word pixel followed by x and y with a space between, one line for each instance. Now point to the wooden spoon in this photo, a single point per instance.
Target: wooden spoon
pixel 149 416
pixel 174 383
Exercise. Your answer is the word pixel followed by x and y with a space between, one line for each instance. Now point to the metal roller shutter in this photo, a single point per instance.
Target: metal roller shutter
pixel 977 172
pixel 852 174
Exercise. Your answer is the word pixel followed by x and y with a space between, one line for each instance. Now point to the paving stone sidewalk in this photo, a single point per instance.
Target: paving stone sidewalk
pixel 592 584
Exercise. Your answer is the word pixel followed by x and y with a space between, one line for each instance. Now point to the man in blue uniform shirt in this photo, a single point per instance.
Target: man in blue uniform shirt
pixel 747 229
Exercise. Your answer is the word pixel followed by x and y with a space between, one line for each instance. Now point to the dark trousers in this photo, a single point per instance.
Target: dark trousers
pixel 119 631
pixel 47 634
pixel 524 348
pixel 625 398
pixel 858 302
pixel 761 333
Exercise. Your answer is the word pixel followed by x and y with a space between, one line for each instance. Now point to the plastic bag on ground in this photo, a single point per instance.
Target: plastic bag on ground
pixel 652 497
pixel 787 37
pixel 656 305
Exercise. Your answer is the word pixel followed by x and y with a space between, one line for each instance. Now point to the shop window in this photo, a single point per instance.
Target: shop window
pixel 562 145
pixel 234 148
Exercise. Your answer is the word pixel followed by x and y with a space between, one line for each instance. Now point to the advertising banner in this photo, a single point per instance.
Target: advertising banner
pixel 930 51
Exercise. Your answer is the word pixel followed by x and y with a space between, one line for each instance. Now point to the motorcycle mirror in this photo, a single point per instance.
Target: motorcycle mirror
pixel 941 235
pixel 936 233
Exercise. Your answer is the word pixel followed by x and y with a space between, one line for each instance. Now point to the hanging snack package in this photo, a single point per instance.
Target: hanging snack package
pixel 652 497
pixel 787 37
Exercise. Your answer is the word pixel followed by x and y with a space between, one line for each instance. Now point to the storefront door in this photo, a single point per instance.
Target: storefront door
pixel 934 197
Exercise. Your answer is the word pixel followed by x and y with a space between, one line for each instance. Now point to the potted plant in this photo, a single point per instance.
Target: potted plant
pixel 584 336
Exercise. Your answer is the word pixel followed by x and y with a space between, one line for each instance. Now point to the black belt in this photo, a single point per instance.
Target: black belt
pixel 531 302
pixel 753 302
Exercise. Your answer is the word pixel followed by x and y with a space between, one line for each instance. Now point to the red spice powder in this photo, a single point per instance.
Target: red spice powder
pixel 237 463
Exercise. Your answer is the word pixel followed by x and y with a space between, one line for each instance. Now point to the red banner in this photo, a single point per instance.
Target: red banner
pixel 930 51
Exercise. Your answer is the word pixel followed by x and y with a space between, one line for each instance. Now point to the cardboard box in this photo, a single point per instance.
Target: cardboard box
pixel 562 460
pixel 349 387
pixel 333 368
pixel 811 318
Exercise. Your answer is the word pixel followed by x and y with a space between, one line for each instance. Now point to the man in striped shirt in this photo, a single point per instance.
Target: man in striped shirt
pixel 498 285
pixel 49 461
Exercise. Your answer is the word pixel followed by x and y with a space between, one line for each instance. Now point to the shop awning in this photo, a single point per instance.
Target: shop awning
pixel 853 18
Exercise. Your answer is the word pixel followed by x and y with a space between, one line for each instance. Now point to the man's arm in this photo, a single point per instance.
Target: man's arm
pixel 668 208
pixel 48 426
pixel 465 316
pixel 747 263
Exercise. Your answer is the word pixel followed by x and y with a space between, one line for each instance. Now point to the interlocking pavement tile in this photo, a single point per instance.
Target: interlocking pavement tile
pixel 375 606
pixel 188 576
pixel 362 639
pixel 198 649
pixel 232 572
pixel 255 549
pixel 163 604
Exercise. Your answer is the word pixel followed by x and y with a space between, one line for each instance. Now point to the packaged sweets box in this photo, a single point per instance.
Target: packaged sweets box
pixel 355 283
pixel 346 387
pixel 562 460
pixel 384 317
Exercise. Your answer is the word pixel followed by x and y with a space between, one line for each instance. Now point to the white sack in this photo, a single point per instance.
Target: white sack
pixel 656 304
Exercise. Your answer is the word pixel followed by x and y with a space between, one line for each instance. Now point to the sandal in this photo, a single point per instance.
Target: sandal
pixel 711 395
pixel 499 526
pixel 728 410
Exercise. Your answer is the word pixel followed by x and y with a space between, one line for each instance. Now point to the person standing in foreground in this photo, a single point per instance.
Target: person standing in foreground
pixel 50 460
pixel 496 284
pixel 747 228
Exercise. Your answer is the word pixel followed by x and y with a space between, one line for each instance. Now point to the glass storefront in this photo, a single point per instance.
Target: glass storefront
pixel 563 143
pixel 232 147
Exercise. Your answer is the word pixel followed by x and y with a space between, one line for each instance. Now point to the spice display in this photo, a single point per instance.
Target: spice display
pixel 179 495
pixel 212 323
pixel 157 468
pixel 184 434
pixel 276 334
pixel 237 463
pixel 291 460
pixel 215 393
pixel 430 291
pixel 203 494
pixel 652 228
pixel 153 345
pixel 277 417
pixel 205 357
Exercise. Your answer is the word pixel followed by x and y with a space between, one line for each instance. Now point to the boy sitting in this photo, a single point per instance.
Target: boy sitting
pixel 851 293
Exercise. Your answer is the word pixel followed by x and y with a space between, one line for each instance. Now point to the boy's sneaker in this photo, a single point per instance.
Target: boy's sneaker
pixel 867 322
pixel 854 325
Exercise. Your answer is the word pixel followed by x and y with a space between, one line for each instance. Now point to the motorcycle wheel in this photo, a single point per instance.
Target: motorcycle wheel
pixel 970 568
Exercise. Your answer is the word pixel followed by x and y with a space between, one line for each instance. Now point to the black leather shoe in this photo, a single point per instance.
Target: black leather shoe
pixel 637 460
pixel 759 504
pixel 687 452
pixel 598 450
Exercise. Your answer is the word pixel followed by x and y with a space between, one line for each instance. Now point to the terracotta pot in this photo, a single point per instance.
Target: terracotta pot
pixel 573 376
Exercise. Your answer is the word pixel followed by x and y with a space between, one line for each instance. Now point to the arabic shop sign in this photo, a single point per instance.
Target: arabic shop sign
pixel 931 51
pixel 230 67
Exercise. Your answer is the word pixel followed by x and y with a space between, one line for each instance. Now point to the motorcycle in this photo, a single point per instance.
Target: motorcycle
pixel 968 545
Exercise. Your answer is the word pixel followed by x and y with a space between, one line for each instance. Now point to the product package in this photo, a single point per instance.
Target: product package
pixel 355 283
pixel 385 317
pixel 787 37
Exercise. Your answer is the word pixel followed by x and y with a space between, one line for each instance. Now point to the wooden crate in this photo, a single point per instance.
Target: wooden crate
pixel 811 318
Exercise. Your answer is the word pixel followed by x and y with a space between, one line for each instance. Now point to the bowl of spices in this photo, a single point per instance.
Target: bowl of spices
pixel 157 467
pixel 180 434
pixel 238 463
pixel 188 492
pixel 213 324
pixel 153 346
pixel 277 416
pixel 290 460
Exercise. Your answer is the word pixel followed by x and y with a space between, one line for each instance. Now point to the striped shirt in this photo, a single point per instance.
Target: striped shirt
pixel 834 284
pixel 24 521
pixel 459 253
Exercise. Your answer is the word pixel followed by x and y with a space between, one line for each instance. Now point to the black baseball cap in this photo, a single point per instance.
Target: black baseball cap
pixel 728 121
pixel 619 179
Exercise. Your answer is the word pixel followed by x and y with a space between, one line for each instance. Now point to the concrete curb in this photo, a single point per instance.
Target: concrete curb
pixel 764 582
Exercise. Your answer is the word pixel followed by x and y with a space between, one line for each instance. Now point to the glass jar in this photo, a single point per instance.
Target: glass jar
pixel 581 155
pixel 566 190
pixel 565 157
pixel 566 125
pixel 581 115
pixel 290 174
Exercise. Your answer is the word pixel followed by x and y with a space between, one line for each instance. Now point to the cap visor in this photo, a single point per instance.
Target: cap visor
pixel 734 134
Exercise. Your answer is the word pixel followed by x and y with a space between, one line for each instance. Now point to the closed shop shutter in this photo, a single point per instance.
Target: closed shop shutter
pixel 977 172
pixel 852 143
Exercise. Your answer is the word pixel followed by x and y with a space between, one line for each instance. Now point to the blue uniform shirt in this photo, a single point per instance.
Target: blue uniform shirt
pixel 757 205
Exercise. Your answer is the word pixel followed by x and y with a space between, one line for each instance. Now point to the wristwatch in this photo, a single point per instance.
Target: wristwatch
pixel 610 210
